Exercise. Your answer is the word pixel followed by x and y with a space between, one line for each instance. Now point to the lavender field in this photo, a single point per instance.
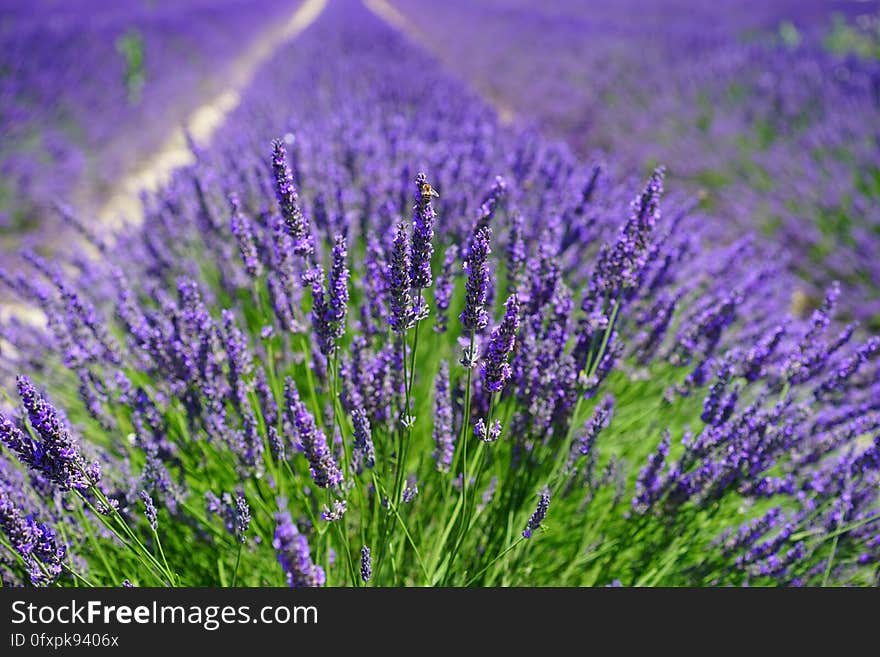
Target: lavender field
pixel 402 293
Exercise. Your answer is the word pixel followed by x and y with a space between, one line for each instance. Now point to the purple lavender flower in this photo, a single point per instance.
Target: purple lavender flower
pixel 335 513
pixel 399 284
pixel 294 220
pixel 444 289
pixel 276 444
pixel 410 490
pixel 718 406
pixel 292 550
pixel 423 234
pixel 33 541
pixel 444 435
pixel 496 369
pixel 330 308
pixel 474 317
pixel 648 484
pixel 539 514
pixel 491 202
pixel 242 517
pixel 374 312
pixel 243 232
pixel 150 510
pixel 56 454
pixel 755 361
pixel 325 471
pixel 585 441
pixel 366 564
pixel 488 434
pixel 238 356
pixel 364 451
pixel 838 380
pixel 622 264
pixel 516 253
pixel 480 431
pixel 338 287
pixel 235 511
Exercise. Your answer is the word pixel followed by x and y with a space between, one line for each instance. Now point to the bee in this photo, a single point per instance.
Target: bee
pixel 428 192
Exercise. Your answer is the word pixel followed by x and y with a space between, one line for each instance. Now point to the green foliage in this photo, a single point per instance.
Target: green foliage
pixel 131 46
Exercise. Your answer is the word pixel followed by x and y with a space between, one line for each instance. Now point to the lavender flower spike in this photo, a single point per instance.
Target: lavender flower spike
pixel 242 517
pixel 444 435
pixel 366 564
pixel 242 230
pixel 150 510
pixel 365 453
pixel 496 369
pixel 295 221
pixel 539 514
pixel 323 467
pixel 488 434
pixel 423 232
pixel 444 289
pixel 330 308
pixel 403 315
pixel 292 550
pixel 57 455
pixel 474 317
pixel 33 541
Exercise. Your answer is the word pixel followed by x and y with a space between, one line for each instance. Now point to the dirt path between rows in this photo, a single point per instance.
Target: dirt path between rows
pixel 395 18
pixel 124 206
pixel 202 123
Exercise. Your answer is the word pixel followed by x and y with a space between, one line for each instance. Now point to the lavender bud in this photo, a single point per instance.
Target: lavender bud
pixel 474 317
pixel 539 514
pixel 365 452
pixel 292 550
pixel 336 513
pixel 295 221
pixel 423 232
pixel 149 510
pixel 496 369
pixel 444 434
pixel 366 564
pixel 403 316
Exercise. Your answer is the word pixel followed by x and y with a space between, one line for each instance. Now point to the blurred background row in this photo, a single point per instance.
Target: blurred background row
pixel 768 113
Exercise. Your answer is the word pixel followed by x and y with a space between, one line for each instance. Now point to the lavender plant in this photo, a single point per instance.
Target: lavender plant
pixel 549 375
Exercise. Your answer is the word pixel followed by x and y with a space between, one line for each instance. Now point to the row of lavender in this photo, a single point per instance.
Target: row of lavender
pixel 764 110
pixel 307 367
pixel 88 88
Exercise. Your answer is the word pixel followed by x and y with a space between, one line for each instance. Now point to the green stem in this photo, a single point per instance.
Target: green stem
pixel 496 559
pixel 465 424
pixel 237 562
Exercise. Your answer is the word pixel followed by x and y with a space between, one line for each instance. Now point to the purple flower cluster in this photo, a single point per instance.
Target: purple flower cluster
pixel 55 452
pixel 496 369
pixel 444 433
pixel 330 307
pixel 402 315
pixel 650 362
pixel 34 542
pixel 292 550
pixel 322 464
pixel 539 514
pixel 295 221
pixel 234 510
pixel 475 317
pixel 422 234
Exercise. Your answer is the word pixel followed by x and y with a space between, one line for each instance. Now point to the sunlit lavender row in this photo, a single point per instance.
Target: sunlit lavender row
pixel 376 336
pixel 89 89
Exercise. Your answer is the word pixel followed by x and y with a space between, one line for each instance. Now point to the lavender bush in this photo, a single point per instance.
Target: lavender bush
pixel 374 337
pixel 766 114
pixel 89 88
